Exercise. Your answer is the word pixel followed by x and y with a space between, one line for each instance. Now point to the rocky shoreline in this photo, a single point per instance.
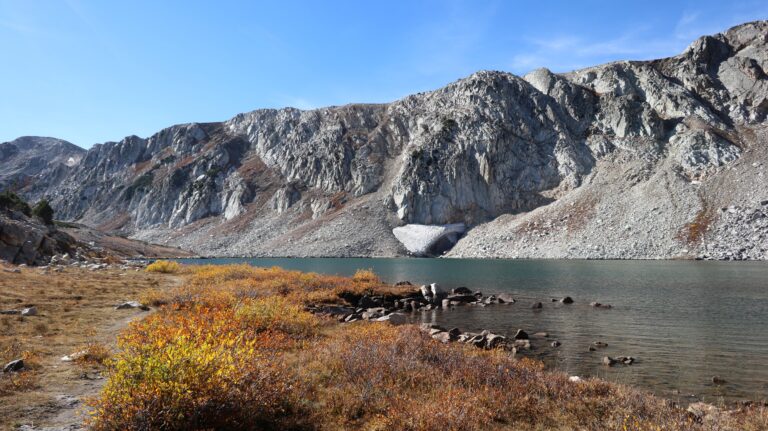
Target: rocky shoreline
pixel 402 309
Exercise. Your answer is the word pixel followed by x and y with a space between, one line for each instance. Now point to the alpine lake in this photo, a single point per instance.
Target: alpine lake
pixel 684 322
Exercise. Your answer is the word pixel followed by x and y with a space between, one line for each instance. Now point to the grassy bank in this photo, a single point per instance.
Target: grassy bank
pixel 233 348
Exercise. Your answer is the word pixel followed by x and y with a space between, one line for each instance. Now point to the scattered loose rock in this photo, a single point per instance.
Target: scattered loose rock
pixel 537 305
pixel 521 335
pixel 15 365
pixel 31 311
pixel 132 304
pixel 505 298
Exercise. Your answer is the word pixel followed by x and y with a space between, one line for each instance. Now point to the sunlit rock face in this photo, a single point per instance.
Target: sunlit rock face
pixel 428 240
pixel 620 144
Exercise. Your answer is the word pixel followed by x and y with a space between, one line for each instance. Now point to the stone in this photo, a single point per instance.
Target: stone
pixel 74 356
pixel 701 410
pixel 426 292
pixel 477 340
pixel 608 361
pixel 567 300
pixel 461 298
pixel 427 327
pixel 15 365
pixel 394 319
pixel 10 312
pixel 461 291
pixel 520 335
pixel 30 311
pixel 373 313
pixel 574 379
pixel 493 341
pixel 541 334
pixel 718 380
pixel 522 345
pixel 555 344
pixel 442 336
pixel 537 305
pixel 505 298
pixel 600 344
pixel 446 303
pixel 367 302
pixel 437 292
pixel 131 304
pixel 626 360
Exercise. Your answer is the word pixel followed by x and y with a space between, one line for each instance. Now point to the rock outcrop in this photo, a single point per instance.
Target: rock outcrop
pixel 632 159
pixel 27 240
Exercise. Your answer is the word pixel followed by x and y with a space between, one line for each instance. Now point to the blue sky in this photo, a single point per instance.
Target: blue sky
pixel 96 71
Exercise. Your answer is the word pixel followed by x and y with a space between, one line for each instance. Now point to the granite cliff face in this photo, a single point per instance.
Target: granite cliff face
pixel 633 159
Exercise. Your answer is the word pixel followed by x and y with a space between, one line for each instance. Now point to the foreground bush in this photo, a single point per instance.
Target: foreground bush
pixel 164 267
pixel 205 368
pixel 234 349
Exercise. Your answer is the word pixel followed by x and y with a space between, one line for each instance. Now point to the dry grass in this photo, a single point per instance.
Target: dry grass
pixel 233 349
pixel 75 313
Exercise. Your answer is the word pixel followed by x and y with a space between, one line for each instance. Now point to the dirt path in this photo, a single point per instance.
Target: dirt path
pixel 75 308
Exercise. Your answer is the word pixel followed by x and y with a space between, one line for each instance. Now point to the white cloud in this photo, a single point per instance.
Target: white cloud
pixel 563 53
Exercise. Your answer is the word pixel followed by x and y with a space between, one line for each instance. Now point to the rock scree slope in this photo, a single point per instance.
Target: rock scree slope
pixel 632 159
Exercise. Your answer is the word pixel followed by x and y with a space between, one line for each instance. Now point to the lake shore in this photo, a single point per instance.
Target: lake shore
pixel 318 372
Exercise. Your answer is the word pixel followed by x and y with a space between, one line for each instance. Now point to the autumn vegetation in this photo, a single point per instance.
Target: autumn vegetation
pixel 232 347
pixel 164 267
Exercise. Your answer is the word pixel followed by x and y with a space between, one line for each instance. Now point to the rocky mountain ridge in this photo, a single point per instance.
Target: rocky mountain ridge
pixel 632 159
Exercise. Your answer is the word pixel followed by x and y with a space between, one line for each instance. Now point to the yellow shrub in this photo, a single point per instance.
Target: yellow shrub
pixel 194 384
pixel 366 276
pixel 154 297
pixel 276 313
pixel 164 267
